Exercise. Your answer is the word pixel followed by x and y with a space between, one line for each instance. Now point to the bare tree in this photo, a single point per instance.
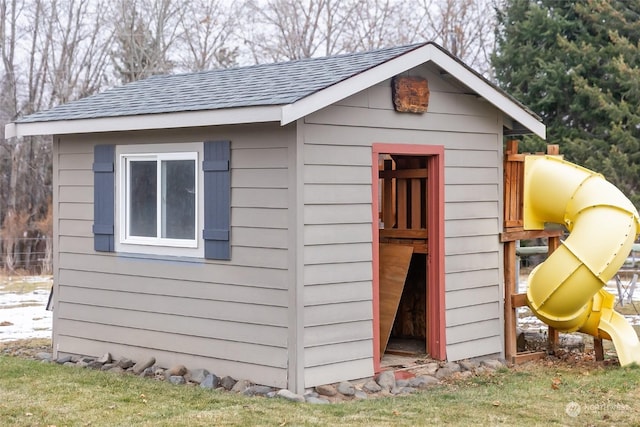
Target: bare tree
pixel 80 41
pixel 289 29
pixel 206 31
pixel 52 52
pixel 463 27
pixel 374 24
pixel 145 31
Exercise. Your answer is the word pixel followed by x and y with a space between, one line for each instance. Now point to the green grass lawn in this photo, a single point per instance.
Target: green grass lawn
pixel 38 394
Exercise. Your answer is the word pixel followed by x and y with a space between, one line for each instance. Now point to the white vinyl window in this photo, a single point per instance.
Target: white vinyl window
pixel 159 199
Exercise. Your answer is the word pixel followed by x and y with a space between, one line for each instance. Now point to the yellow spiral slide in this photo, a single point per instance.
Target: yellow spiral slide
pixel 566 291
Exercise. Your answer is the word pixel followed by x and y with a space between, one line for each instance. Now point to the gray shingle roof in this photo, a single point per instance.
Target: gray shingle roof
pixel 258 85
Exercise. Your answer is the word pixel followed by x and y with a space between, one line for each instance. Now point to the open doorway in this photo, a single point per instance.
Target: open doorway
pixel 408 199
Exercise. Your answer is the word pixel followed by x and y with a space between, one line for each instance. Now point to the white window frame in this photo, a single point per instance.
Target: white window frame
pixel 157 245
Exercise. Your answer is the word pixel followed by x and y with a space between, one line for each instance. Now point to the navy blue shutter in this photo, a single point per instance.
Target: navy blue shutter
pixel 217 199
pixel 103 197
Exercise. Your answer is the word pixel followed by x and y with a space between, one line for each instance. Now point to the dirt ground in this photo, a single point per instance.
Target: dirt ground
pixel 26 348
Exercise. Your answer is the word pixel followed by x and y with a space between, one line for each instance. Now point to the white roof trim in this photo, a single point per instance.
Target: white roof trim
pixel 414 58
pixel 288 113
pixel 271 113
pixel 499 100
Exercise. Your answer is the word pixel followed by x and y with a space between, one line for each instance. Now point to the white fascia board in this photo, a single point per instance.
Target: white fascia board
pixel 362 81
pixel 271 113
pixel 346 88
pixel 486 91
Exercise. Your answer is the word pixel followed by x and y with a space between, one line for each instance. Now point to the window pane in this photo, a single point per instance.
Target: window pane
pixel 143 198
pixel 178 199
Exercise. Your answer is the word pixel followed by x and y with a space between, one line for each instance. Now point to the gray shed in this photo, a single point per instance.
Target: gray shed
pixel 280 222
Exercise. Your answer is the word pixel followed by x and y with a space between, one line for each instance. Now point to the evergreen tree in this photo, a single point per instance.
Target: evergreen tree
pixel 576 64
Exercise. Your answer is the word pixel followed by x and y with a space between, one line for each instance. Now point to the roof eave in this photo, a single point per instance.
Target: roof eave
pixel 257 114
pixel 428 52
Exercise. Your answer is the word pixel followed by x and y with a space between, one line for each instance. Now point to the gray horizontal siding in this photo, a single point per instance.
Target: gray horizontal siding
pixel 223 331
pixel 334 372
pixel 178 270
pixel 205 290
pixel 460 280
pixel 322 234
pixel 480 295
pixel 466 244
pixel 470 210
pixel 178 306
pixel 334 293
pixel 170 357
pixel 319 134
pixel 231 317
pixel 336 333
pixel 202 346
pixel 479 312
pixel 337 163
pixel 478 347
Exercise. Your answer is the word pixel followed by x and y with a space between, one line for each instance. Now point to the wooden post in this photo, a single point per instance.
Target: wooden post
pixel 552 339
pixel 510 346
pixel 553 149
pixel 598 349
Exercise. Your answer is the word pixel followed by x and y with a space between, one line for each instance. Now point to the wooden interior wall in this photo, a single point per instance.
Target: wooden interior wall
pixel 403 207
pixel 411 319
pixel 403 215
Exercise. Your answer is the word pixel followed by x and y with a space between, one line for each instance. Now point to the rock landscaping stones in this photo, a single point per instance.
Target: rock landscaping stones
pixel 44 356
pixel 105 358
pixel 175 371
pixel 317 400
pixel 63 360
pixel 257 390
pixel 360 395
pixel 423 381
pixel 387 383
pixel 492 364
pixel 240 386
pixel 346 388
pixel 141 366
pixel 177 380
pixel 386 380
pixel 468 365
pixel 125 363
pixel 197 375
pixel 211 381
pixel 371 387
pixel 227 383
pixel 289 395
pixel 326 390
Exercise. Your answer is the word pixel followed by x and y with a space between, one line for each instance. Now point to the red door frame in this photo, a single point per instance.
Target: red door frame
pixel 436 343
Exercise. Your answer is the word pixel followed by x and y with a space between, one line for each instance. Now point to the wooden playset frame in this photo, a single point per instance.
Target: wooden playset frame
pixel 513 231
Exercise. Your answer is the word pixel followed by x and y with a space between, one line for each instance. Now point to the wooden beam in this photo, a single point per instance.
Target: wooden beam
pixel 519 300
pixel 513 235
pixel 516 157
pixel 394 233
pixel 527 357
pixel 404 173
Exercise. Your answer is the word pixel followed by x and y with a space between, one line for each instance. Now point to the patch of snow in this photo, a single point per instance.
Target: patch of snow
pixel 530 322
pixel 25 315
